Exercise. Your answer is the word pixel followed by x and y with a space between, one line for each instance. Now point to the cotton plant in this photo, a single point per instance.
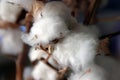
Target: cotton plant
pixel 74 46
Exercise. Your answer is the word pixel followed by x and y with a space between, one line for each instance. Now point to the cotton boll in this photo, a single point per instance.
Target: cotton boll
pixel 46 30
pixel 93 72
pixel 54 22
pixel 57 8
pixel 37 54
pixel 43 72
pixel 9 12
pixel 11 42
pixel 110 65
pixel 77 50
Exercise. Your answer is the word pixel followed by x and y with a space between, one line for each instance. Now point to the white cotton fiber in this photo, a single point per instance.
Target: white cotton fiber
pixel 76 50
pixel 53 20
pixel 59 9
pixel 43 72
pixel 56 8
pixel 46 30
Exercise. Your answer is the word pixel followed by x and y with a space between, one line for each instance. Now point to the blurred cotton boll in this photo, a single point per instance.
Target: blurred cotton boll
pixel 11 42
pixel 27 73
pixel 9 12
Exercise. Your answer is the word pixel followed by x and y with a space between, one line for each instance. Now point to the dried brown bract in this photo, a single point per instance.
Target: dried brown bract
pixel 38 5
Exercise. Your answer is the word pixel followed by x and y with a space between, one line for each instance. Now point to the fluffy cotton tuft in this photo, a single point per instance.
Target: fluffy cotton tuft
pixel 43 72
pixel 53 20
pixel 56 8
pixel 9 12
pixel 76 50
pixel 46 30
